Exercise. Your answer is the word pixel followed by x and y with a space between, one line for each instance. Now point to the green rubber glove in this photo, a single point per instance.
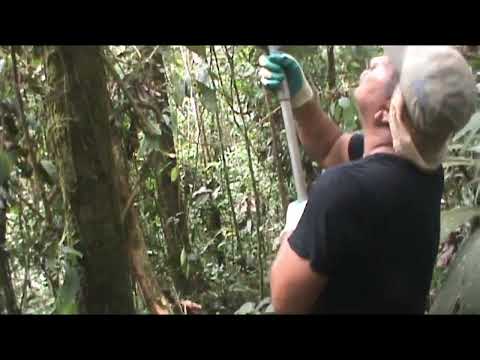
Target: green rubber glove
pixel 273 69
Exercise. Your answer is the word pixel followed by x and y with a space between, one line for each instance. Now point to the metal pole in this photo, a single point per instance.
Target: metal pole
pixel 293 147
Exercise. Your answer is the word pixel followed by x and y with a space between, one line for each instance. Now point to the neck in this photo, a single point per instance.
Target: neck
pixel 377 141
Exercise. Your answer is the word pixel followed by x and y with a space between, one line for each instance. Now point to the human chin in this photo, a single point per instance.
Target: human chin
pixel 358 96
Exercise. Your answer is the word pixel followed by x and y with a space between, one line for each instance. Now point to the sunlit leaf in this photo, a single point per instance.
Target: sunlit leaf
pixel 183 257
pixel 174 174
pixel 349 117
pixel 72 251
pixel 262 304
pixel 246 308
pixel 344 103
pixel 270 309
pixel 201 196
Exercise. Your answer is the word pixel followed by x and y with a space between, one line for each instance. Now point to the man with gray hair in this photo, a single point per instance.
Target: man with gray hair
pixel 367 239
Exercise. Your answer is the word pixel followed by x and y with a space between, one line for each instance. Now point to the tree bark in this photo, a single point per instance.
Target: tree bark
pixel 332 76
pixel 142 269
pixel 171 204
pixel 6 286
pixel 8 299
pixel 83 146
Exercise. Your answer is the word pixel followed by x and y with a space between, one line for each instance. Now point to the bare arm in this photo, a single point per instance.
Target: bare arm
pixel 295 287
pixel 321 137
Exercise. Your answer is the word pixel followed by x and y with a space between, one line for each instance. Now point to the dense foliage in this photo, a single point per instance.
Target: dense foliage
pixel 206 175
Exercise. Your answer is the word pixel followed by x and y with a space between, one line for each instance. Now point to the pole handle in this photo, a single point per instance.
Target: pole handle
pixel 290 129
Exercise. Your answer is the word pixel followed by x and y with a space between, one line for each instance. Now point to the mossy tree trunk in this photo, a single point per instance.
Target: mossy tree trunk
pixel 82 143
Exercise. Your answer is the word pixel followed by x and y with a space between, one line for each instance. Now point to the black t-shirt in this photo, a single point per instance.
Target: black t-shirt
pixel 372 226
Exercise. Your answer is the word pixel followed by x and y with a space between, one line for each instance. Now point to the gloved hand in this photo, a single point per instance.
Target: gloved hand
pixel 275 66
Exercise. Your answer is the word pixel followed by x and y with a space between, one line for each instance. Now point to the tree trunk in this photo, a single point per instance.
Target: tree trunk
pixel 152 294
pixel 83 149
pixel 6 286
pixel 8 299
pixel 332 76
pixel 171 204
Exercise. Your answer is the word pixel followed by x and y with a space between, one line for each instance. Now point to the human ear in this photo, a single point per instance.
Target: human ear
pixel 381 117
pixel 400 108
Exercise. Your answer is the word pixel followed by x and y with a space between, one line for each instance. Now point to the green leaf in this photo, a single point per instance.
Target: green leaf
pixel 5 167
pixel 199 50
pixel 183 257
pixel 72 251
pixel 269 309
pixel 149 143
pixel 66 300
pixel 202 75
pixel 151 128
pixel 201 195
pixel 344 103
pixel 70 308
pixel 263 304
pixel 332 109
pixel 48 171
pixel 208 97
pixel 338 112
pixel 174 174
pixel 247 308
pixel 153 143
